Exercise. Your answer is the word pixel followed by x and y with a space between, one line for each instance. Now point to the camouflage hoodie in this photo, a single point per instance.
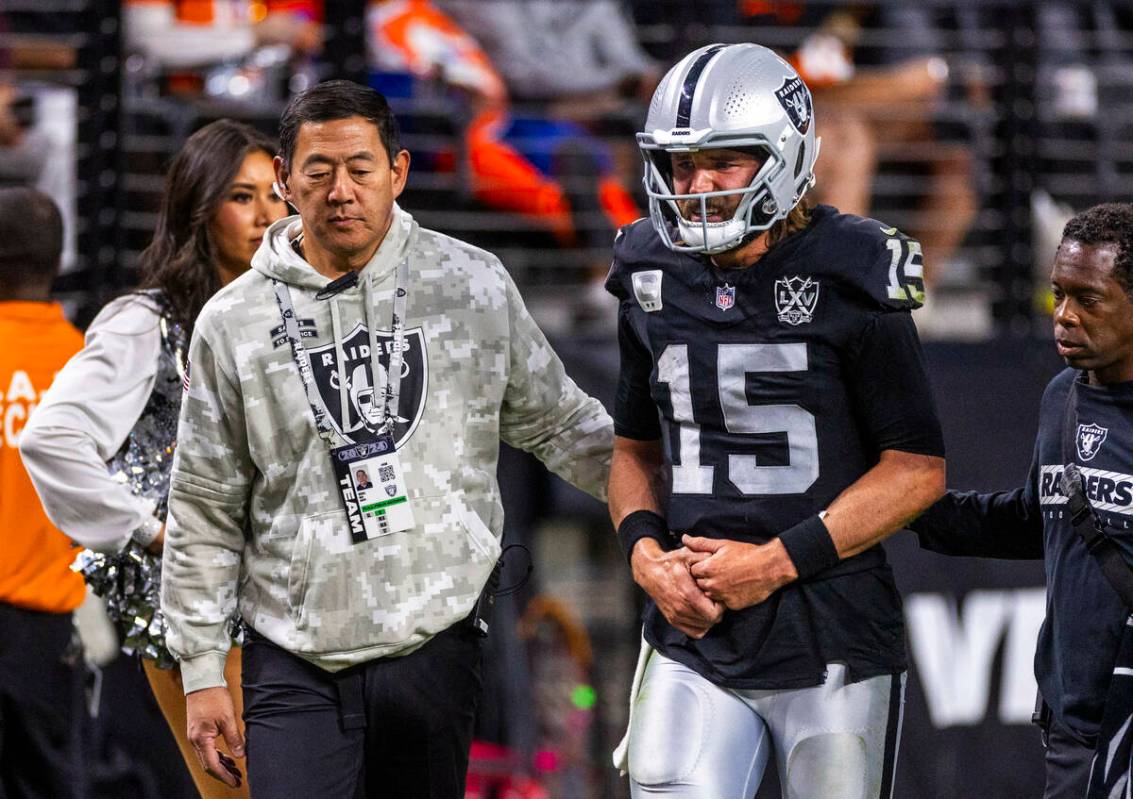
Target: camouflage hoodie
pixel 256 523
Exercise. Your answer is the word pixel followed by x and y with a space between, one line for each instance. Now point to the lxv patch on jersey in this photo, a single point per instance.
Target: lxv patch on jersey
pixel 795 299
pixel 647 289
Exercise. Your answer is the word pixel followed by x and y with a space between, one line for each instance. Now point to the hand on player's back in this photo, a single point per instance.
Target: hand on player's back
pixel 666 577
pixel 738 574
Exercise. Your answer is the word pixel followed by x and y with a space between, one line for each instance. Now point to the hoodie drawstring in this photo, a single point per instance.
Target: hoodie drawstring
pixel 340 362
pixel 375 350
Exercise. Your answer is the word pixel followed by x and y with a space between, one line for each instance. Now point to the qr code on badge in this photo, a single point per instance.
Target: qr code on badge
pixel 385 472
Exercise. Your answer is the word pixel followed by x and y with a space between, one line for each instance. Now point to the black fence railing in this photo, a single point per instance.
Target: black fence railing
pixel 1022 112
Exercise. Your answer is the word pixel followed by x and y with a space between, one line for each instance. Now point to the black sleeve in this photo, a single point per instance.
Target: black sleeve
pixel 888 379
pixel 635 414
pixel 1003 524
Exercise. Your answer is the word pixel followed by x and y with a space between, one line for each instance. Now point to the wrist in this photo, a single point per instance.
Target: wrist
pixel 147 532
pixel 639 525
pixel 809 547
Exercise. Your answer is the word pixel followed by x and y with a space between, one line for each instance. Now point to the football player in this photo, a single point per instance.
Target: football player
pixel 774 423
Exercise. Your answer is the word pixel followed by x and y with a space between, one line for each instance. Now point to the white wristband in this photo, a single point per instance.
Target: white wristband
pixel 148 531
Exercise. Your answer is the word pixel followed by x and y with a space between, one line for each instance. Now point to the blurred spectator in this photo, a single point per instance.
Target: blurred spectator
pixel 230 49
pixel 38 125
pixel 522 164
pixel 195 33
pixel 884 110
pixel 580 56
pixel 40 679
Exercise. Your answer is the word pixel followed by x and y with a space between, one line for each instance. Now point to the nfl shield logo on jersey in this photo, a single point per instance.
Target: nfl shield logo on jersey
pixel 795 298
pixel 1090 438
pixel 725 297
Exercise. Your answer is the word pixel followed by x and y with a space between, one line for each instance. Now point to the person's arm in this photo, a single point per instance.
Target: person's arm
pixel 82 421
pixel 1003 524
pixel 208 506
pixel 636 477
pixel 890 389
pixel 545 413
pixel 878 504
pixel 637 490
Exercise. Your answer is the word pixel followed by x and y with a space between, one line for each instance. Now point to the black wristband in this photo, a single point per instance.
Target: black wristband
pixel 641 524
pixel 810 546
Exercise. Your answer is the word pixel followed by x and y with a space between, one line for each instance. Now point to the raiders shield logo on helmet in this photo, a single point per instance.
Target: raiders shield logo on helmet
pixel 795 98
pixel 1090 439
pixel 364 399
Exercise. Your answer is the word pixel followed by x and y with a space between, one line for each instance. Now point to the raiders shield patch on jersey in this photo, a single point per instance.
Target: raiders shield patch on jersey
pixel 1090 440
pixel 795 99
pixel 647 289
pixel 795 299
pixel 364 399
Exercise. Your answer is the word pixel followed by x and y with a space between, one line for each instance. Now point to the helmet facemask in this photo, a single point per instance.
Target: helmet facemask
pixel 758 208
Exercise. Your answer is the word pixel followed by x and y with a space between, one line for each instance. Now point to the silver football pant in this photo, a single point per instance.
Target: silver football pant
pixel 692 739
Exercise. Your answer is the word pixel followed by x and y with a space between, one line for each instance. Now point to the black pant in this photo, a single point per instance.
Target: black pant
pixel 1068 763
pixel 40 707
pixel 397 727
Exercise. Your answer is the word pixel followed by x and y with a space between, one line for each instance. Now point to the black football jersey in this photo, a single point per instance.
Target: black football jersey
pixel 774 388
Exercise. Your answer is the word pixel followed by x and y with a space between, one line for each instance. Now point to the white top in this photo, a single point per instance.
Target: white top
pixel 83 420
pixel 152 28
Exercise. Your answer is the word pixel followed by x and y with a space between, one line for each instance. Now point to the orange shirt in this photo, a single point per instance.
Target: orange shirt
pixel 35 558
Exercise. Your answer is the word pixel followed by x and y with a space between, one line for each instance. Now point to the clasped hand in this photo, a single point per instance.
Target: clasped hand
pixel 737 574
pixel 693 585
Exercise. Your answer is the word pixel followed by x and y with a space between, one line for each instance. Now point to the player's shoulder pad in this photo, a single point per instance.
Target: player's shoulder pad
pixel 636 246
pixel 878 260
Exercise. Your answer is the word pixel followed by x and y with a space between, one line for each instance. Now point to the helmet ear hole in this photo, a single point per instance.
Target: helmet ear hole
pixel 800 160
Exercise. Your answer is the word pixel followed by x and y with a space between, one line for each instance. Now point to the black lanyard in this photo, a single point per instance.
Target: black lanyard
pixel 391 391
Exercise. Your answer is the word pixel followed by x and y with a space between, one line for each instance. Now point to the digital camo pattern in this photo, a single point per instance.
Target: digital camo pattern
pixel 254 499
pixel 130 580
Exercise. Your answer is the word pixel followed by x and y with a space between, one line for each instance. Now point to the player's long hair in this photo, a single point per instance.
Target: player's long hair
pixel 795 221
pixel 181 259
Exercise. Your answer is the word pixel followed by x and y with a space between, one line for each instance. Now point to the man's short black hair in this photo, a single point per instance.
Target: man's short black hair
pixel 1108 223
pixel 31 238
pixel 337 99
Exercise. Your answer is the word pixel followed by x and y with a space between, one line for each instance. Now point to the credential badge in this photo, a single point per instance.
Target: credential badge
pixel 647 289
pixel 795 99
pixel 725 297
pixel 1090 439
pixel 795 299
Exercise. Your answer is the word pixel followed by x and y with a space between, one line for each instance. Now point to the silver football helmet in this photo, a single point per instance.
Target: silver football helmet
pixel 739 96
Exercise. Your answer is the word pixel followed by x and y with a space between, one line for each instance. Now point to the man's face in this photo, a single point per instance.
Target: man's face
pixel 1093 314
pixel 344 185
pixel 712 170
pixel 362 476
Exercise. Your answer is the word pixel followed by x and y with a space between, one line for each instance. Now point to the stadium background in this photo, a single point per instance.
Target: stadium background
pixel 1037 106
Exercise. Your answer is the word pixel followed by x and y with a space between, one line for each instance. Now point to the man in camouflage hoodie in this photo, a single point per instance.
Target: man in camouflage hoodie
pixel 361 666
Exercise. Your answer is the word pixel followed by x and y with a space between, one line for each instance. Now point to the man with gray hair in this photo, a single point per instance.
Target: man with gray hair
pixel 358 343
